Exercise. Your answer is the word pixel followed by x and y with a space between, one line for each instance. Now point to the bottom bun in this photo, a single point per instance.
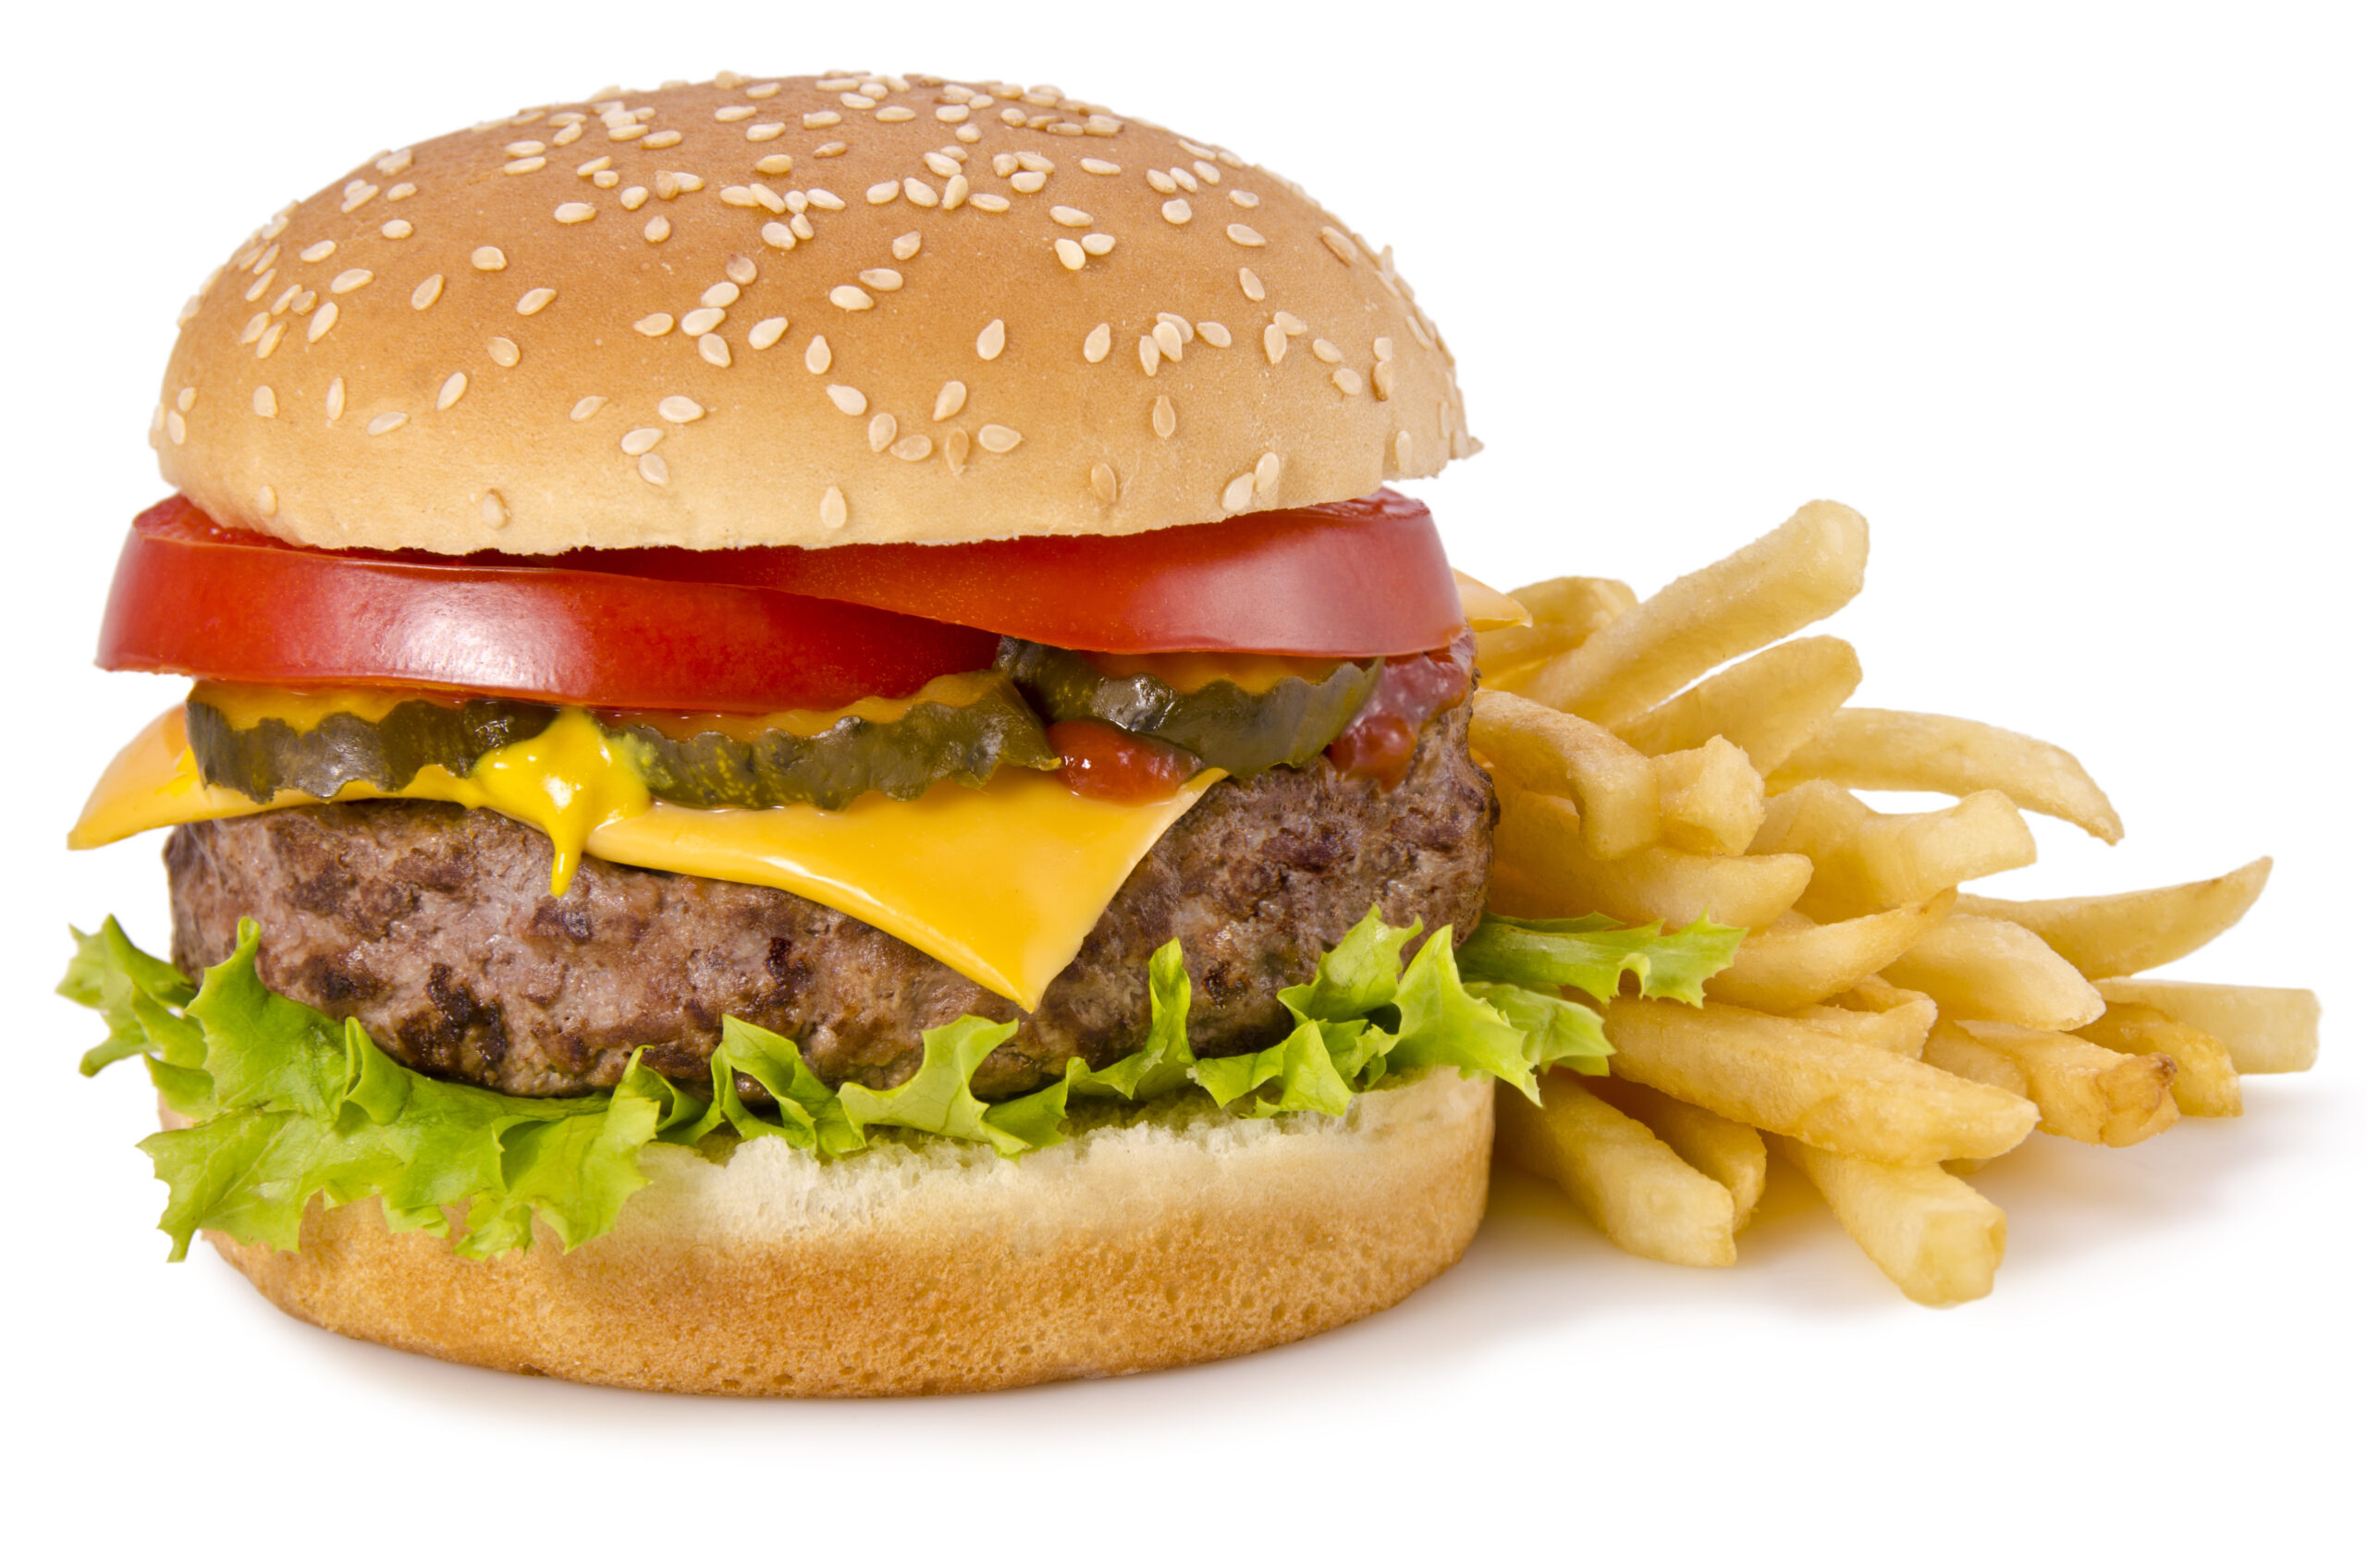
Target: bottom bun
pixel 1169 1238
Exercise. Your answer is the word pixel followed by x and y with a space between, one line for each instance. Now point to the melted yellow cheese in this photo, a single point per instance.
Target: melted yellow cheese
pixel 1000 883
pixel 1485 608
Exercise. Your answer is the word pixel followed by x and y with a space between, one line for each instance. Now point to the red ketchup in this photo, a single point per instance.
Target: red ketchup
pixel 1102 762
pixel 1413 690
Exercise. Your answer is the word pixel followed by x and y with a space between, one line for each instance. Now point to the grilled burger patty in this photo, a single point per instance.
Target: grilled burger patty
pixel 434 927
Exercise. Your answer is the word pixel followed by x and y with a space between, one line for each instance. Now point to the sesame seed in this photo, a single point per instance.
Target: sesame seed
pixel 1289 323
pixel 1216 334
pixel 1160 181
pixel 775 163
pixel 1338 243
pixel 637 442
pixel 426 294
pixel 322 319
pixel 1444 423
pixel 953 114
pixel 1384 349
pixel 1035 162
pixel 816 122
pixel 705 319
pixel 780 236
pixel 255 289
pixel 767 131
pixel 1238 491
pixel 1162 417
pixel 1184 179
pixel 990 339
pixel 1147 350
pixel 627 132
pixel 1012 118
pixel 450 393
pixel 998 438
pixel 303 301
pixel 573 212
pixel 270 340
pixel 534 299
pixel 855 100
pixel 679 410
pixel 592 166
pixel 881 430
pixel 1196 148
pixel 886 279
pixel 488 258
pixel 1006 163
pixel 1178 210
pixel 1325 351
pixel 817 355
pixel 1168 338
pixel 1097 244
pixel 767 332
pixel 884 191
pixel 585 407
pixel 563 138
pixel 1405 450
pixel 957 449
pixel 1269 470
pixel 504 353
pixel 740 269
pixel 957 191
pixel 491 508
pixel 1027 181
pixel 382 424
pixel 834 509
pixel 1070 218
pixel 631 197
pixel 829 149
pixel 940 165
pixel 847 297
pixel 1241 198
pixel 176 427
pixel 1070 253
pixel 827 201
pixel 393 163
pixel 919 192
pixel 607 179
pixel 321 251
pixel 913 447
pixel 1278 343
pixel 987 201
pixel 715 351
pixel 1347 380
pixel 904 247
pixel 1097 166
pixel 267 501
pixel 335 402
pixel 255 323
pixel 1097 344
pixel 658 323
pixel 850 400
pixel 763 90
pixel 1104 479
pixel 523 166
pixel 663 138
pixel 1384 379
pixel 1242 234
pixel 657 229
pixel 266 403
pixel 950 399
pixel 355 195
pixel 397 193
pixel 652 468
pixel 1209 172
pixel 719 295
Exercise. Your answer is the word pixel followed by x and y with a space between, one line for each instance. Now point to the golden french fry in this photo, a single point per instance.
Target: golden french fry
pixel 1542 869
pixel 2265 1028
pixel 1536 748
pixel 1633 1186
pixel 1710 797
pixel 1564 612
pixel 1881 995
pixel 2206 1084
pixel 1868 860
pixel 1803 571
pixel 1877 748
pixel 1900 1030
pixel 2116 934
pixel 1787 969
pixel 1767 704
pixel 1789 1077
pixel 1952 1050
pixel 1938 1239
pixel 1995 970
pixel 1727 1152
pixel 2082 1090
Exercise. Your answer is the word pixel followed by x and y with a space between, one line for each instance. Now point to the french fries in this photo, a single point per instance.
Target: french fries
pixel 1938 1239
pixel 1632 1185
pixel 1868 860
pixel 1784 1076
pixel 2128 933
pixel 1994 969
pixel 1797 575
pixel 1876 749
pixel 1789 968
pixel 1727 1152
pixel 1542 869
pixel 2206 1083
pixel 1711 801
pixel 1900 1030
pixel 2265 1029
pixel 2082 1090
pixel 1535 748
pixel 1767 704
pixel 1564 612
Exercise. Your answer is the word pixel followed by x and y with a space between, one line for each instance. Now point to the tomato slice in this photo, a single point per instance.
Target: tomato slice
pixel 1347 579
pixel 191 597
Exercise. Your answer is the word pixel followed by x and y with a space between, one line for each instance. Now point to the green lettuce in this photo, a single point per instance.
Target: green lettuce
pixel 285 1104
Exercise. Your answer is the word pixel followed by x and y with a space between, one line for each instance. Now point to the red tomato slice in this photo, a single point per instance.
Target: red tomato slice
pixel 1348 580
pixel 191 597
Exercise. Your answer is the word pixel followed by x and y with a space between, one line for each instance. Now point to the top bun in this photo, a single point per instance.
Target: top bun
pixel 855 309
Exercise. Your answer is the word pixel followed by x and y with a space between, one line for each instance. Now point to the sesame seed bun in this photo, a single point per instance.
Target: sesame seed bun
pixel 798 312
pixel 940 1269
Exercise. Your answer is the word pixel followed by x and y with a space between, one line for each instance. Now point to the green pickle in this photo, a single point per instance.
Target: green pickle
pixel 345 748
pixel 1242 732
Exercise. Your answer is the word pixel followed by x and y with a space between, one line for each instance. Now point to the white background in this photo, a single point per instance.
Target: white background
pixel 2068 301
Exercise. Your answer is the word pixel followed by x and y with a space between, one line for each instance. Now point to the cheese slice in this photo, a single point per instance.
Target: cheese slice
pixel 1000 883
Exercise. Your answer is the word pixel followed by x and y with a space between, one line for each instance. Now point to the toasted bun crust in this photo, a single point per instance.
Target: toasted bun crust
pixel 798 313
pixel 940 1269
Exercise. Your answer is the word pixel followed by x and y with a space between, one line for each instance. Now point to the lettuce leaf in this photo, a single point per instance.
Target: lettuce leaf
pixel 286 1104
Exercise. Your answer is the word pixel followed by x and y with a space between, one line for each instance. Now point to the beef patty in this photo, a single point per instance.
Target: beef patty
pixel 436 926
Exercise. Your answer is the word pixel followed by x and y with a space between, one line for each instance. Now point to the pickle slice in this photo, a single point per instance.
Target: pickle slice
pixel 1242 732
pixel 899 757
pixel 386 748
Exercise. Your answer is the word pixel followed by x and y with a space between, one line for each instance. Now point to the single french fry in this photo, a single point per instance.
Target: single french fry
pixel 1710 797
pixel 1564 612
pixel 2082 1090
pixel 1880 995
pixel 1789 1077
pixel 1938 1239
pixel 1868 860
pixel 1536 748
pixel 2265 1028
pixel 1787 969
pixel 1901 1030
pixel 1803 571
pixel 1950 1049
pixel 1542 869
pixel 1727 1152
pixel 1877 748
pixel 1767 704
pixel 1633 1186
pixel 2206 1084
pixel 1995 970
pixel 2116 934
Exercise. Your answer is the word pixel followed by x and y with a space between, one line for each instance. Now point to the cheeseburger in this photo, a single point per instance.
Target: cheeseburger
pixel 820 760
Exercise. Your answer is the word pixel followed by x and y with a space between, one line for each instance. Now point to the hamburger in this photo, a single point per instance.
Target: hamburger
pixel 820 761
